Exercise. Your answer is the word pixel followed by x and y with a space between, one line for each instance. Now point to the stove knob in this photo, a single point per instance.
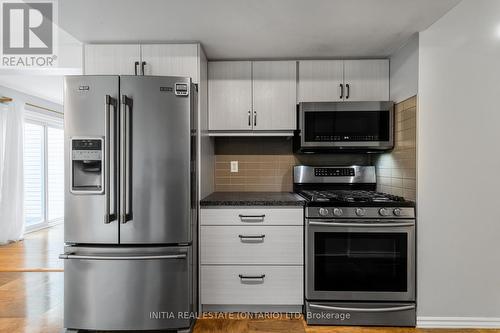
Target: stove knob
pixel 323 211
pixel 360 211
pixel 337 211
pixel 397 211
pixel 383 212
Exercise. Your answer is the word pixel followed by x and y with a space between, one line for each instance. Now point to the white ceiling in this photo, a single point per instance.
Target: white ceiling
pixel 242 29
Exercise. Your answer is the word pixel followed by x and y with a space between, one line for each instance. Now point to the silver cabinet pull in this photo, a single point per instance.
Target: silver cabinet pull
pixel 108 216
pixel 361 225
pixel 252 237
pixel 259 278
pixel 88 257
pixel 254 118
pixel 252 218
pixel 387 309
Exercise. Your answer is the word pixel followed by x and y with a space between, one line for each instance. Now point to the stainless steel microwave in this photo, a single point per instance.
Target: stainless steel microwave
pixel 361 126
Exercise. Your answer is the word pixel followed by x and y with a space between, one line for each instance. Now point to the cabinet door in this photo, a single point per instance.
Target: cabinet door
pixel 368 80
pixel 116 59
pixel 274 95
pixel 171 60
pixel 230 95
pixel 320 80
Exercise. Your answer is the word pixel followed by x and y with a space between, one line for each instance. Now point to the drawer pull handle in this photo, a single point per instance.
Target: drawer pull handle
pixel 252 218
pixel 252 237
pixel 252 278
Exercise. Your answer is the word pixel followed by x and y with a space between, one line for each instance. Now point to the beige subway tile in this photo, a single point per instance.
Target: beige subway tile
pixel 397 182
pixel 385 181
pixel 222 166
pixel 222 180
pixel 410 183
pixel 269 165
pixel 384 172
pixel 410 173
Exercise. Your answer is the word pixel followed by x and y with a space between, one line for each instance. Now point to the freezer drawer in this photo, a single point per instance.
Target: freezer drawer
pixel 127 288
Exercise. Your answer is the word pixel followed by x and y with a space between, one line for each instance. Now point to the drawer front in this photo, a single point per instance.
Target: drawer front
pixel 278 245
pixel 252 216
pixel 265 285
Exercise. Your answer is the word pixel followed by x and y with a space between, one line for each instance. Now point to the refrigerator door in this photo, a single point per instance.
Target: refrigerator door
pixel 156 124
pixel 126 288
pixel 90 118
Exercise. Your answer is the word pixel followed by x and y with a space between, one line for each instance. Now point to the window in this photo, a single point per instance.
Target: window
pixel 43 168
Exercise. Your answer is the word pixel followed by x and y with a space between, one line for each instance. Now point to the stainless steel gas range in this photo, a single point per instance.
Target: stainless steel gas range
pixel 360 249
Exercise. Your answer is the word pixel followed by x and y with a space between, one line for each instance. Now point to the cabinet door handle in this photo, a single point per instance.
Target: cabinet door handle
pixel 135 67
pixel 252 237
pixel 255 118
pixel 249 119
pixel 341 91
pixel 348 91
pixel 142 67
pixel 252 277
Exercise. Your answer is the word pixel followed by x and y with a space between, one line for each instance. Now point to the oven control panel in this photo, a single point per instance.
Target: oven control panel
pixel 334 172
pixel 376 213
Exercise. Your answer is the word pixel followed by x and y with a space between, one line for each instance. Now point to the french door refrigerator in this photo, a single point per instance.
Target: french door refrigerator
pixel 130 203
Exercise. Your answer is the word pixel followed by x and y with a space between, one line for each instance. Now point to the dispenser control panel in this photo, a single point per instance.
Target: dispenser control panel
pixel 87 164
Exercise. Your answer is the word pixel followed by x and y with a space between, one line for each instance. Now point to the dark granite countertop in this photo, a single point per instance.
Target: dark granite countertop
pixel 252 199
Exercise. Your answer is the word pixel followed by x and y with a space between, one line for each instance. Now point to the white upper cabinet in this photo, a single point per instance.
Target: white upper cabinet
pixel 116 59
pixel 171 60
pixel 343 80
pixel 321 80
pixel 274 95
pixel 230 95
pixel 147 59
pixel 366 80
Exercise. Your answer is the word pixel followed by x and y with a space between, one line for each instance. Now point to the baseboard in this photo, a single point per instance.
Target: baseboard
pixel 458 322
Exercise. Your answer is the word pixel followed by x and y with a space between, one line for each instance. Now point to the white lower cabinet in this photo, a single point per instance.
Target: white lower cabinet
pixel 253 285
pixel 251 258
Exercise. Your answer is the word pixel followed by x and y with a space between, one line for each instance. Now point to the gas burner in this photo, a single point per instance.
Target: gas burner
pixel 350 196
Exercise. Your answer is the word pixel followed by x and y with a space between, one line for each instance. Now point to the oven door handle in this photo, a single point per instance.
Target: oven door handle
pixel 389 309
pixel 362 225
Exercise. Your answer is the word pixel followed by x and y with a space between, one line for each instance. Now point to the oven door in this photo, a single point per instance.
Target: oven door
pixel 352 125
pixel 360 260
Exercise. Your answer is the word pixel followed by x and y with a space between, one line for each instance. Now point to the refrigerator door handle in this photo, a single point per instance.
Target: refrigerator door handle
pixel 125 162
pixel 90 257
pixel 108 215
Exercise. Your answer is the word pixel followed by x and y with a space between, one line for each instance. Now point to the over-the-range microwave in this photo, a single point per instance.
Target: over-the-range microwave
pixel 339 126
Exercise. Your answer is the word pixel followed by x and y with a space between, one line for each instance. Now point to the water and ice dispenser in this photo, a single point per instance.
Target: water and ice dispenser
pixel 87 165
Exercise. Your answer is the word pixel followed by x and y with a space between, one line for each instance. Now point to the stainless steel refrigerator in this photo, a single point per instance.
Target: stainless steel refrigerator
pixel 130 203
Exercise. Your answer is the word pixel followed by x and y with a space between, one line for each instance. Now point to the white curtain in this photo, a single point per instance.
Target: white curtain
pixel 11 173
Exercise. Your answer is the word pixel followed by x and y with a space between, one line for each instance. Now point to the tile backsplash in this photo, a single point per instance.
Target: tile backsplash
pixel 266 164
pixel 396 170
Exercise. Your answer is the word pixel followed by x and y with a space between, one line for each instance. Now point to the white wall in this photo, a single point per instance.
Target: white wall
pixel 404 71
pixel 459 164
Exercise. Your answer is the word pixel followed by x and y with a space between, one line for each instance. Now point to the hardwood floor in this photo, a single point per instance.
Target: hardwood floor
pixel 31 297
pixel 38 252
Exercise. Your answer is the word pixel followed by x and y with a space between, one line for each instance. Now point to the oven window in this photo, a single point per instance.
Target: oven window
pixel 360 261
pixel 347 126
